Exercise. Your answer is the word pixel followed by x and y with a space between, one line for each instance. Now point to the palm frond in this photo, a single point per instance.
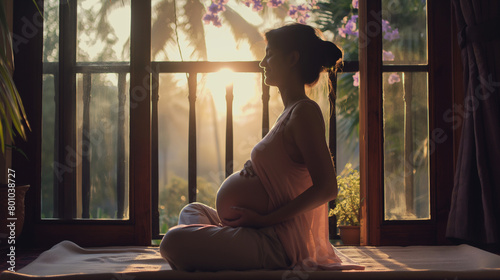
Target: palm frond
pixel 162 31
pixel 280 12
pixel 194 27
pixel 11 107
pixel 103 26
pixel 242 30
pixel 5 53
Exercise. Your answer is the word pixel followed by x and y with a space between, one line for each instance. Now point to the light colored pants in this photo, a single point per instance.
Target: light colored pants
pixel 199 242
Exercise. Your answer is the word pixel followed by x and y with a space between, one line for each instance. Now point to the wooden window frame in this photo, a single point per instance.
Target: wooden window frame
pixel 375 230
pixel 47 232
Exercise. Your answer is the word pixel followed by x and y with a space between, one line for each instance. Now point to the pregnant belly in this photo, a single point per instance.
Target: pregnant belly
pixel 241 191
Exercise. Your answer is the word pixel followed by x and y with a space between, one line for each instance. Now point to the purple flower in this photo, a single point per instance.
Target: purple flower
pixel 302 8
pixel 350 27
pixel 342 32
pixel 212 18
pixel 387 56
pixel 355 79
pixel 394 78
pixel 355 4
pixel 303 19
pixel 303 13
pixel 299 13
pixel 215 8
pixel 389 33
pixel 212 14
pixel 275 3
pixel 247 2
pixel 257 6
pixel 385 25
pixel 392 35
pixel 292 12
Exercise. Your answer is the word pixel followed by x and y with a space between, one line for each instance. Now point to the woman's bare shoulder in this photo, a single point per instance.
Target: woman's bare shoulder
pixel 306 114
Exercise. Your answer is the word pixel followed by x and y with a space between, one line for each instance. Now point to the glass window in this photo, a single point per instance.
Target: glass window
pixel 406 146
pixel 49 132
pixel 404 32
pixel 103 122
pixel 103 119
pixel 173 117
pixel 347 111
pixel 405 110
pixel 103 31
pixel 101 155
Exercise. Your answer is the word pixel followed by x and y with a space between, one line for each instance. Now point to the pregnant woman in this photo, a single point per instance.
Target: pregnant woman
pixel 272 214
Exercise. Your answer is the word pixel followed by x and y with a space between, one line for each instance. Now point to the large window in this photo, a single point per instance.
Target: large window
pixel 122 115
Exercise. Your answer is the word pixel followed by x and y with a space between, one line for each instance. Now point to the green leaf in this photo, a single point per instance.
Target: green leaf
pixel 6 39
pixel 11 107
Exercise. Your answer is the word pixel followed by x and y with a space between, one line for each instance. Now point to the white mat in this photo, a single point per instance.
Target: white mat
pixel 69 258
pixel 414 262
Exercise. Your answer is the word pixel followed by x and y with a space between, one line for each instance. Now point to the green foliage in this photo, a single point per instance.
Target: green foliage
pixel 330 17
pixel 174 196
pixel 348 200
pixel 11 107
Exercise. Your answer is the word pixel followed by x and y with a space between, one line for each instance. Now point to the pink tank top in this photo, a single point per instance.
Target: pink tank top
pixel 304 237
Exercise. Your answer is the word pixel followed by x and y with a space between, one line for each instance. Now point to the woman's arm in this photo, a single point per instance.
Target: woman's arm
pixel 307 129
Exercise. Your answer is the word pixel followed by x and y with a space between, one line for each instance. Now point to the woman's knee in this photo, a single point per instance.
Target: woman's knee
pixel 170 246
pixel 192 207
pixel 198 213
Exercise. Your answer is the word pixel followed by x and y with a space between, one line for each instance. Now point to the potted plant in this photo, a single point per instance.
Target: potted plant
pixel 347 205
pixel 12 117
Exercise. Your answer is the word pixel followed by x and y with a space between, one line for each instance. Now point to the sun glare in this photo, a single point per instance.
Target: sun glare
pixel 245 90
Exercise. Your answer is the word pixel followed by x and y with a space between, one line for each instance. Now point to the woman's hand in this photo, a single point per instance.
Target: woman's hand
pixel 247 169
pixel 247 218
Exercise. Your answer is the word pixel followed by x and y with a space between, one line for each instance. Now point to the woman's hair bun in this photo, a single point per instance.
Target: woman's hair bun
pixel 331 54
pixel 316 54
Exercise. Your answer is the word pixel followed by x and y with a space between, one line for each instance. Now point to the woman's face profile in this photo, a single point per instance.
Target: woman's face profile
pixel 275 68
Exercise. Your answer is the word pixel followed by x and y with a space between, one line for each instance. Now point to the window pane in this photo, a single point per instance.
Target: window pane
pixel 347 110
pixel 48 146
pixel 103 122
pixel 404 31
pixel 51 31
pixel 103 30
pixel 173 125
pixel 103 118
pixel 406 146
pixel 49 129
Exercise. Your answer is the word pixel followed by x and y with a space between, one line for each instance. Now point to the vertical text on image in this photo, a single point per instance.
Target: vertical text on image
pixel 11 218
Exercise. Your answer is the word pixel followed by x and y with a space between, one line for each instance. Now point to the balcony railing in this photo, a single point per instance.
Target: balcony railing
pixel 192 70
